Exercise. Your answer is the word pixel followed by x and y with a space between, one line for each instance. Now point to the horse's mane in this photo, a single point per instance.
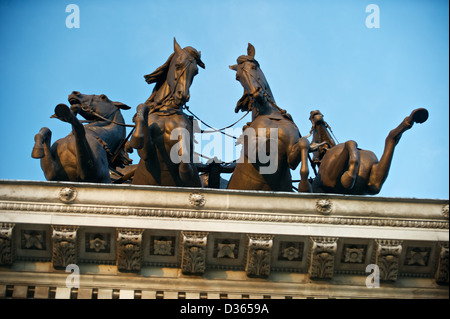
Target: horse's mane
pixel 246 102
pixel 159 77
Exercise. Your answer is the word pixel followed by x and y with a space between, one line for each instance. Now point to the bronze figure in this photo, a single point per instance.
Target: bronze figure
pixel 210 173
pixel 161 122
pixel 346 169
pixel 249 173
pixel 86 154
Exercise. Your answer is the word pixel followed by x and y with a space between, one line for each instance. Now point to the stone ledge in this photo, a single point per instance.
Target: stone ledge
pixel 314 240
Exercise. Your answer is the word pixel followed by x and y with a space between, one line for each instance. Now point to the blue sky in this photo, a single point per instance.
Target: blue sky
pixel 315 55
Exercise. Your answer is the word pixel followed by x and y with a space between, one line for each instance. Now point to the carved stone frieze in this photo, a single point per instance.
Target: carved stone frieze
pixel 97 242
pixel 67 194
pixel 129 252
pixel 259 255
pixel 197 199
pixel 163 247
pixel 353 255
pixel 387 258
pixel 417 256
pixel 226 251
pixel 33 239
pixel 290 251
pixel 216 215
pixel 324 206
pixel 445 210
pixel 64 246
pixel 442 269
pixel 193 254
pixel 323 251
pixel 6 244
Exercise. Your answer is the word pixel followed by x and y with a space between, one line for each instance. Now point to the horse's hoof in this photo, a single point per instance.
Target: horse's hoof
pixel 419 115
pixel 304 186
pixel 38 152
pixel 63 112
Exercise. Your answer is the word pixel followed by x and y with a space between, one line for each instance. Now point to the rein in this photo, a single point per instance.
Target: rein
pixel 88 109
pixel 177 80
pixel 272 102
pixel 213 130
pixel 269 99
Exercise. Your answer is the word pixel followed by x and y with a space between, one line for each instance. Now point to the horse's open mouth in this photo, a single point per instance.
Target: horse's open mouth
pixel 74 101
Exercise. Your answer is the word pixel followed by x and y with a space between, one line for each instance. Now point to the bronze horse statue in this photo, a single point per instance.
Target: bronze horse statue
pixel 85 154
pixel 285 152
pixel 164 134
pixel 346 169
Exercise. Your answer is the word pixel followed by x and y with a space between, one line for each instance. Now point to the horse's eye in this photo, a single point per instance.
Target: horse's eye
pixel 178 66
pixel 103 97
pixel 253 67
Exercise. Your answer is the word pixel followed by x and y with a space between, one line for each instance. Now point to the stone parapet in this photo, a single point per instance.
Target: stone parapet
pixel 217 242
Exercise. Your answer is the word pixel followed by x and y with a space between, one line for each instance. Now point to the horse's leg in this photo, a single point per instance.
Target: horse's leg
pixel 39 141
pixel 349 177
pixel 299 152
pixel 86 163
pixel 380 170
pixel 187 171
pixel 41 150
pixel 189 175
pixel 138 137
pixel 335 161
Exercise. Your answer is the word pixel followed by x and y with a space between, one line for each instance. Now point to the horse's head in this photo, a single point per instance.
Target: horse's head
pixel 92 106
pixel 249 74
pixel 179 72
pixel 321 132
pixel 316 118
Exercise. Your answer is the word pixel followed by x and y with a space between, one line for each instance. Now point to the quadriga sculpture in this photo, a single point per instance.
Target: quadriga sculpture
pixel 84 155
pixel 164 134
pixel 346 169
pixel 271 142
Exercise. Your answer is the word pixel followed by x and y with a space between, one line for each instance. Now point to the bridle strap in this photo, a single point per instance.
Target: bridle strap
pixel 178 78
pixel 88 108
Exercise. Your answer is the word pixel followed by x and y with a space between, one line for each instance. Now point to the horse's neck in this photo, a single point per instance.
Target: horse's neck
pixel 264 109
pixel 321 134
pixel 160 97
pixel 110 132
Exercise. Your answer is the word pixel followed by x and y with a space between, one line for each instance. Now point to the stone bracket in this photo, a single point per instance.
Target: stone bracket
pixel 129 249
pixel 259 255
pixel 64 246
pixel 442 269
pixel 323 251
pixel 193 252
pixel 387 258
pixel 6 244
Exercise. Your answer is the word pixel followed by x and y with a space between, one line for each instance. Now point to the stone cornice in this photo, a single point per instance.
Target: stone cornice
pixel 140 204
pixel 13 206
pixel 202 231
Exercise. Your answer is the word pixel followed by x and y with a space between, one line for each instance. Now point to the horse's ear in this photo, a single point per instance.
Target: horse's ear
pixel 234 67
pixel 176 46
pixel 251 50
pixel 122 106
pixel 199 61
